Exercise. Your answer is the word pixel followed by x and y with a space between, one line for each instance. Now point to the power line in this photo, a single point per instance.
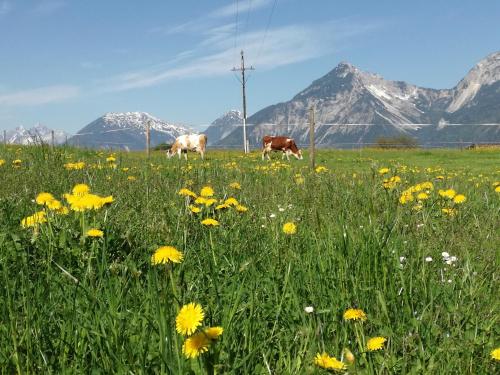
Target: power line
pixel 236 26
pixel 245 27
pixel 266 30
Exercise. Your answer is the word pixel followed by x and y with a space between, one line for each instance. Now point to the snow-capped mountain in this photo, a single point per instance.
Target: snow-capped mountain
pixel 223 126
pixel 126 130
pixel 353 106
pixel 37 134
pixel 476 97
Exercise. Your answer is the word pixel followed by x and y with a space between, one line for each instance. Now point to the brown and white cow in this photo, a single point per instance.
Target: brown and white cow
pixel 283 144
pixel 185 143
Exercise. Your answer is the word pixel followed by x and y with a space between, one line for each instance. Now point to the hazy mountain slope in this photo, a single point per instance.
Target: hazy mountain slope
pixel 126 130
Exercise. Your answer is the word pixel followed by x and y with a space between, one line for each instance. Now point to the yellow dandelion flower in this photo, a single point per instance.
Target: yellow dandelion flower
pixel 495 354
pixel 231 201
pixel 80 189
pixel 321 169
pixel 213 333
pixel 110 159
pixel 417 207
pixel 450 193
pixel 33 220
pixel 2 162
pixel 166 254
pixel 108 199
pixel 189 319
pixel 328 363
pixel 187 193
pixel 354 314
pixel 95 233
pixel 194 209
pixel 44 198
pixel 289 228
pixel 200 200
pixel 210 222
pixel 497 189
pixel 235 185
pixel 375 343
pixel 54 205
pixel 63 211
pixel 299 180
pixel 383 170
pixel 210 201
pixel 449 211
pixel 131 178
pixel 241 208
pixel 207 192
pixel 459 198
pixel 195 345
pixel 17 162
pixel 427 185
pixel 406 197
pixel 222 206
pixel 422 196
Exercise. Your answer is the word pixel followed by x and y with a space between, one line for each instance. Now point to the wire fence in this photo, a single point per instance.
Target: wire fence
pixel 326 136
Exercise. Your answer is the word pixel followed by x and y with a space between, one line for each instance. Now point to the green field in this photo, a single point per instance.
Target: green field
pixel 424 272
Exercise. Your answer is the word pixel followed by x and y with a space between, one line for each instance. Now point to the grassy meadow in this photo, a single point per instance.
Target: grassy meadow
pixel 401 246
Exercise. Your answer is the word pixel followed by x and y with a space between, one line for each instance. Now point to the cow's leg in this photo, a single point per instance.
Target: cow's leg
pixel 186 155
pixel 202 154
pixel 179 152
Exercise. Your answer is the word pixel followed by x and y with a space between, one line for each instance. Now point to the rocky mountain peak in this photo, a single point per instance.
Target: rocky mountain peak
pixel 485 73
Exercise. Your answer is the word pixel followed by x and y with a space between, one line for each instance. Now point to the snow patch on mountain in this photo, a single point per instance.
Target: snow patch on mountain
pixel 35 135
pixel 485 73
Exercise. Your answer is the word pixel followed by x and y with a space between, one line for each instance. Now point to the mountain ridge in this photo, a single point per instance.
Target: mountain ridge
pixel 376 107
pixel 126 130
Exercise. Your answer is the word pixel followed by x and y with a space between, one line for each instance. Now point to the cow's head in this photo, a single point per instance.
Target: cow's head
pixel 297 154
pixel 294 150
pixel 169 153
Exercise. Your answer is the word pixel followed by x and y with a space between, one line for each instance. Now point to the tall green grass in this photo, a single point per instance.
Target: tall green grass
pixel 72 304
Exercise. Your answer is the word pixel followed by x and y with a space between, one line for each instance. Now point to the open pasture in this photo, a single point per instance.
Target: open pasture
pixel 401 246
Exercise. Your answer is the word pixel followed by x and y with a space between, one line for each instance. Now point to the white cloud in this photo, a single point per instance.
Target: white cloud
pixel 203 23
pixel 5 7
pixel 216 54
pixel 239 7
pixel 38 96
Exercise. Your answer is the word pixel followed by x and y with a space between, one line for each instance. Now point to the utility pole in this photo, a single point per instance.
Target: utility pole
pixel 148 139
pixel 243 84
pixel 311 137
pixel 5 137
pixel 52 138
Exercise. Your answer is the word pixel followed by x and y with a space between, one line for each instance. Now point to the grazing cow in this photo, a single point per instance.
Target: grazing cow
pixel 185 143
pixel 283 144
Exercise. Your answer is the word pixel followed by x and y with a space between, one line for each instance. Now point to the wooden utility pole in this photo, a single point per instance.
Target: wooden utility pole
pixel 52 138
pixel 311 137
pixel 148 138
pixel 243 85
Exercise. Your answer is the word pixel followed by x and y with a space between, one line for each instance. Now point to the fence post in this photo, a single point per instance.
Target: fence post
pixel 311 138
pixel 148 138
pixel 52 138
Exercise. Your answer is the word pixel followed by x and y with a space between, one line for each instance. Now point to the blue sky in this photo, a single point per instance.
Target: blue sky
pixel 66 62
